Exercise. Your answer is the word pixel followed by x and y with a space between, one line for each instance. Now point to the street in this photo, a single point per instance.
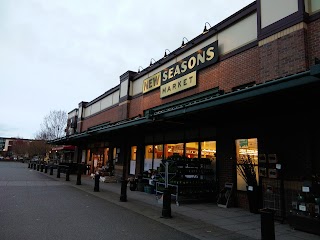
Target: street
pixel 35 206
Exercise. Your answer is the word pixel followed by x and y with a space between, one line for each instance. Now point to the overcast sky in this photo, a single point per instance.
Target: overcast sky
pixel 57 53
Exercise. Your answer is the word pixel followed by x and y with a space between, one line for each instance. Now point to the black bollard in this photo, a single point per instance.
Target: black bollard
pixel 41 167
pixel 38 166
pixel 34 166
pixel 166 207
pixel 67 174
pixel 29 165
pixel 51 170
pixel 79 172
pixel 96 182
pixel 58 171
pixel 46 168
pixel 123 196
pixel 267 224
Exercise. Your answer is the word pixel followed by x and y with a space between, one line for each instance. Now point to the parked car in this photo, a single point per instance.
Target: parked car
pixel 35 159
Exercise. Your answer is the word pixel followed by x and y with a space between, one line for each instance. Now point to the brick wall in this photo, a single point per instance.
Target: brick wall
pixel 136 107
pixel 284 56
pixel 123 110
pixel 242 199
pixel 237 70
pixel 314 41
pixel 234 71
pixel 105 116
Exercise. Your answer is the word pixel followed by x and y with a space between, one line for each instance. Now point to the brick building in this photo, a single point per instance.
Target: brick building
pixel 246 87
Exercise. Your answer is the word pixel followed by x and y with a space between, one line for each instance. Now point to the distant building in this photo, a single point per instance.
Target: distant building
pixel 22 149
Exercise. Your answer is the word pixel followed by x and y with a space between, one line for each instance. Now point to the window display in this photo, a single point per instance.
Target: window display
pixel 173 148
pixel 208 149
pixel 192 150
pixel 133 158
pixel 247 162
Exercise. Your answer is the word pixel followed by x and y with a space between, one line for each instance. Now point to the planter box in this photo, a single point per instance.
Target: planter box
pixel 304 223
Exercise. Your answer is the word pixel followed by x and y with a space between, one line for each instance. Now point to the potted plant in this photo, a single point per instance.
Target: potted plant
pixel 246 169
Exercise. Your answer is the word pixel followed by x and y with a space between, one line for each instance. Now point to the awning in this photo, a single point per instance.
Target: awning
pixel 216 99
pixel 66 147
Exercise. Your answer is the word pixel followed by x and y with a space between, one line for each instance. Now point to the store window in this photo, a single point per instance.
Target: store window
pixel 106 155
pixel 208 149
pixel 247 156
pixel 171 149
pixel 88 157
pixel 133 158
pixel 148 157
pixel 192 150
pixel 153 157
pixel 114 154
pixel 83 156
pixel 98 159
pixel 117 166
pixel 158 154
pixel 117 160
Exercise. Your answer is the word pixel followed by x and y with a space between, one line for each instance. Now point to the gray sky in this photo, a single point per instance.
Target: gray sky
pixel 57 53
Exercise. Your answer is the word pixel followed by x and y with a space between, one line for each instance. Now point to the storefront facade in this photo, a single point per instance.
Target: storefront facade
pixel 246 87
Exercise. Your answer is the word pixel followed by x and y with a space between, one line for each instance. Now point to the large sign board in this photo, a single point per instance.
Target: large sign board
pixel 182 75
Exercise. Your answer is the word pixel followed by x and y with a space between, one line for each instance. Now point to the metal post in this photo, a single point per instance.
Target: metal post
pixel 123 196
pixel 96 182
pixel 124 149
pixel 41 167
pixel 58 171
pixel 46 168
pixel 166 207
pixel 67 174
pixel 79 172
pixel 166 179
pixel 38 166
pixel 34 166
pixel 51 170
pixel 29 165
pixel 267 224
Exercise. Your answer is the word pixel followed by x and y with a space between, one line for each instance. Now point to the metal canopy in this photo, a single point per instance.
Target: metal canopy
pixel 282 95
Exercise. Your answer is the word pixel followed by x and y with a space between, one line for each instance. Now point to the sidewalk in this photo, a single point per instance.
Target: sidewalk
pixel 201 220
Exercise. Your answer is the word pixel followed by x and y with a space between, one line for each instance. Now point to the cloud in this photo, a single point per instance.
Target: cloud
pixel 55 54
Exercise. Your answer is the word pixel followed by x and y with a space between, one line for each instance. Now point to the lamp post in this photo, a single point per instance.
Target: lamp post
pixel 166 207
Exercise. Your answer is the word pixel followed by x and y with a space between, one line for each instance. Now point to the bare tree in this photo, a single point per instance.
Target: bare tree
pixel 53 126
pixel 39 148
pixel 20 147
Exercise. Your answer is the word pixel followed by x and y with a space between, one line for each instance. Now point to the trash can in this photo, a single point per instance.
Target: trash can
pixel 267 224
